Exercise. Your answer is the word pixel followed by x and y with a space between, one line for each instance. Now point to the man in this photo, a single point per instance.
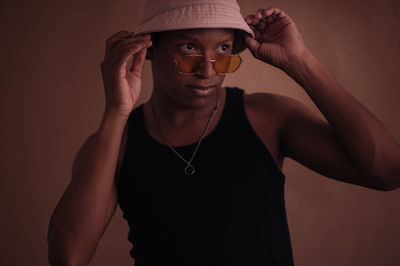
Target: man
pixel 197 168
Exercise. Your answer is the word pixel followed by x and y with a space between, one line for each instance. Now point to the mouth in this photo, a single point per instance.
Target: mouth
pixel 202 90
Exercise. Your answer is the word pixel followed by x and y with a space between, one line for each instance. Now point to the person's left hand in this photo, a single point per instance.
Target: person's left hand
pixel 277 40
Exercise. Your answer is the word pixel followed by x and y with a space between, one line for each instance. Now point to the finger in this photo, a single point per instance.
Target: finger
pixel 251 43
pixel 253 28
pixel 262 24
pixel 145 36
pixel 115 51
pixel 133 50
pixel 249 19
pixel 257 34
pixel 110 42
pixel 260 13
pixel 256 21
pixel 126 41
pixel 270 19
pixel 270 14
pixel 256 25
pixel 138 62
pixel 274 11
pixel 116 61
pixel 252 20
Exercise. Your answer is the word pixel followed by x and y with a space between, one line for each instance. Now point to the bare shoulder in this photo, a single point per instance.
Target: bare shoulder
pixel 262 102
pixel 267 113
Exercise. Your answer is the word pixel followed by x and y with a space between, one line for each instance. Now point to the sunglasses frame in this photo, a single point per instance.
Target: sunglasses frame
pixel 176 60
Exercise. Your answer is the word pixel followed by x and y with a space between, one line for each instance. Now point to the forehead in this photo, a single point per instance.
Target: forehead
pixel 199 35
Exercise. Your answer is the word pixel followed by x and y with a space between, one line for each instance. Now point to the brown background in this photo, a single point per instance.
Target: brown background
pixel 52 99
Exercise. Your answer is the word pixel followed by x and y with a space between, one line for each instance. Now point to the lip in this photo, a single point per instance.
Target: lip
pixel 201 90
pixel 200 87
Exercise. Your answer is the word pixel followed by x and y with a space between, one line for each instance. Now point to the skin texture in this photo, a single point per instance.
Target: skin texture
pixel 349 145
pixel 182 113
pixel 353 146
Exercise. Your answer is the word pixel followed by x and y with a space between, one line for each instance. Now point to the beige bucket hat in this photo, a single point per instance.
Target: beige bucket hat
pixel 166 15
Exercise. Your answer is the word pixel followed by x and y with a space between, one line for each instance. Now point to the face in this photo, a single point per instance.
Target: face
pixel 195 90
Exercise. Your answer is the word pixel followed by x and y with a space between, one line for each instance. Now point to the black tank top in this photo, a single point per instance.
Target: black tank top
pixel 231 211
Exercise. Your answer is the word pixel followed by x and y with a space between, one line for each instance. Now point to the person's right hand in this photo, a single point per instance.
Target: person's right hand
pixel 123 86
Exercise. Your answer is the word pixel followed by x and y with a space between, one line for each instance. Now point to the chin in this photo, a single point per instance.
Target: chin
pixel 200 97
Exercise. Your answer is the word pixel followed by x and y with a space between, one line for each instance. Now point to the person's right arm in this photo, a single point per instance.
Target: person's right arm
pixel 89 202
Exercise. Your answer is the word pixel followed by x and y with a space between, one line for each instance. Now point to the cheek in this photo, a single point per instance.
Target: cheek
pixel 170 76
pixel 166 75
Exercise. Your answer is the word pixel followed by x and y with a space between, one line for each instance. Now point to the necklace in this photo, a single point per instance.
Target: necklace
pixel 189 169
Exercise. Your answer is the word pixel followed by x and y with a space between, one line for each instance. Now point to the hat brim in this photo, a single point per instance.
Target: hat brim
pixel 197 17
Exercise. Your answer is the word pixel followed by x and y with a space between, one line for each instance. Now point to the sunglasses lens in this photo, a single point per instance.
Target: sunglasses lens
pixel 188 64
pixel 227 64
pixel 224 64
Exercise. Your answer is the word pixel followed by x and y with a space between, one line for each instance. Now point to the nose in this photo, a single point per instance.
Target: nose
pixel 206 68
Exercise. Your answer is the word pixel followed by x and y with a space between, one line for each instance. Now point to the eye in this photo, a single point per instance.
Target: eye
pixel 187 47
pixel 224 48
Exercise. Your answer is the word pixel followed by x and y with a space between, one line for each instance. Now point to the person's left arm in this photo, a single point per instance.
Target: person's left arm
pixel 352 145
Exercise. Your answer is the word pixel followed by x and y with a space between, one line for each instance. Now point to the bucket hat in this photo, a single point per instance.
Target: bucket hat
pixel 167 15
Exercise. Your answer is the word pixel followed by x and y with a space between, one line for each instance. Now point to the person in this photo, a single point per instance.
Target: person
pixel 196 169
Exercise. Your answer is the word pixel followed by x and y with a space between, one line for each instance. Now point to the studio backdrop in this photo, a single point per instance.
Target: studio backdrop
pixel 52 99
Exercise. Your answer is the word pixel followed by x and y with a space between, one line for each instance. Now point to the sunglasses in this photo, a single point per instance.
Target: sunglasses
pixel 189 64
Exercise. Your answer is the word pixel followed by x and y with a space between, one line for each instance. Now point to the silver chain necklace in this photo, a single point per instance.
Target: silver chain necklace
pixel 189 169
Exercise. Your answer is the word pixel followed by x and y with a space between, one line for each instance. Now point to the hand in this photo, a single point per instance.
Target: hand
pixel 277 40
pixel 123 86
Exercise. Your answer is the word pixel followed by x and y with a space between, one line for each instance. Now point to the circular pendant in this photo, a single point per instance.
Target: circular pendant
pixel 189 169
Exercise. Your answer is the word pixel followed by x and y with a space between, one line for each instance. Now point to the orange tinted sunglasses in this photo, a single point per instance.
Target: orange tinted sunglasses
pixel 189 64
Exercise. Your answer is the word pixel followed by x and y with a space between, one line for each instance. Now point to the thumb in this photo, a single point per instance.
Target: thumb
pixel 251 43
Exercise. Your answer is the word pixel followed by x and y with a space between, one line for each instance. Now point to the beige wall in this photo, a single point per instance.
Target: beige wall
pixel 52 99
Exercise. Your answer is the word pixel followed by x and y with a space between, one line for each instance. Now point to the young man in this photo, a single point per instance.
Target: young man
pixel 198 167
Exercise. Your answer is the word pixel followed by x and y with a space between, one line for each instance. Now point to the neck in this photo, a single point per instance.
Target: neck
pixel 177 114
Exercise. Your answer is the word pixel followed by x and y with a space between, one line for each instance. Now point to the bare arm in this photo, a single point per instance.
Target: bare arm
pixel 354 147
pixel 90 200
pixel 88 204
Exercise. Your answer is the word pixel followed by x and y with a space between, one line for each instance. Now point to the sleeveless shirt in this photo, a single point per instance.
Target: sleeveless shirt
pixel 231 211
